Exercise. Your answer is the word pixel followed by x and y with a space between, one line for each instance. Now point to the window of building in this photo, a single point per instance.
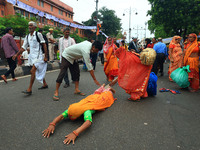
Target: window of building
pixel 32 15
pixel 60 12
pixel 51 8
pixel 26 14
pixel 42 3
pixel 22 12
pixel 66 13
pixel 43 20
pixel 54 23
pixel 2 12
pixel 38 2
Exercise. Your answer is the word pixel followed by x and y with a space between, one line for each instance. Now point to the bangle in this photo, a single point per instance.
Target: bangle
pixel 52 124
pixel 75 133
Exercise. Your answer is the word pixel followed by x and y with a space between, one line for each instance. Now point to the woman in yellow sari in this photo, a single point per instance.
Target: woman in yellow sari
pixel 175 55
pixel 191 57
pixel 110 60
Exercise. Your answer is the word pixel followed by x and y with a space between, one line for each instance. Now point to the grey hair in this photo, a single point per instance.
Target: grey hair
pixel 32 22
pixel 67 29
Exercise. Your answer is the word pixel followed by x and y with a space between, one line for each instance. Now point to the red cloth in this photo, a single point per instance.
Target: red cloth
pixel 132 75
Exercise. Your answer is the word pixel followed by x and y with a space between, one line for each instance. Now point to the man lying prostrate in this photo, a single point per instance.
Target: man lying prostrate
pixel 102 98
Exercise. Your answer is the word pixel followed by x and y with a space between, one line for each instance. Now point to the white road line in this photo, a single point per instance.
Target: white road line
pixel 30 75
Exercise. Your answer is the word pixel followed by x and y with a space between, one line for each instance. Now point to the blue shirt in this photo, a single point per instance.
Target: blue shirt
pixel 160 48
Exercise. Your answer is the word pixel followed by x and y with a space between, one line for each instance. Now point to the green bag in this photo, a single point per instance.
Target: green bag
pixel 180 76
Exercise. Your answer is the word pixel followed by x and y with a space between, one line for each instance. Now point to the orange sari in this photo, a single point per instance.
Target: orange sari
pixel 92 102
pixel 111 66
pixel 193 62
pixel 133 76
pixel 177 55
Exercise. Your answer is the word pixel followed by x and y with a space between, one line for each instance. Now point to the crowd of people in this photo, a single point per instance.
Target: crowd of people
pixel 121 63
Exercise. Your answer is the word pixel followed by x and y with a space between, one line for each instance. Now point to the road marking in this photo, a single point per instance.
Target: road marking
pixel 29 75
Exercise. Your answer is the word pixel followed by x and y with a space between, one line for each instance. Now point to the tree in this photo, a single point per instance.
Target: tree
pixel 111 23
pixel 17 22
pixel 174 17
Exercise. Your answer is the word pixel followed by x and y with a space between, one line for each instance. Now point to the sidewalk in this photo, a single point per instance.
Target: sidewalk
pixel 25 70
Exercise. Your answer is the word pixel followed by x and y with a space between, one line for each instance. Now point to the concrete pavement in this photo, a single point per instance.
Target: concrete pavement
pixel 164 122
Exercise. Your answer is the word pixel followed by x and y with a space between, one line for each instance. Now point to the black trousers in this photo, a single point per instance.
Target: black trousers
pixel 102 58
pixel 12 66
pixel 160 59
pixel 74 70
pixel 93 57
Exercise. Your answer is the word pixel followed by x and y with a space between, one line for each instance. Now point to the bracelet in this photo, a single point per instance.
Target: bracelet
pixel 75 133
pixel 52 124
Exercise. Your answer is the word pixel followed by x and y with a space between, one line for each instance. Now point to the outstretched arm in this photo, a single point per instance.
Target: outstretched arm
pixel 88 121
pixel 50 130
pixel 94 78
pixel 73 135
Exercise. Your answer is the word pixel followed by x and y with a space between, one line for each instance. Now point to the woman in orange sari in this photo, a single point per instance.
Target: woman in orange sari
pixel 133 76
pixel 175 55
pixel 191 57
pixel 110 60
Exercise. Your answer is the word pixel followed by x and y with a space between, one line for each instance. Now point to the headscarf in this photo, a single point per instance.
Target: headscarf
pixel 106 45
pixel 173 41
pixel 191 46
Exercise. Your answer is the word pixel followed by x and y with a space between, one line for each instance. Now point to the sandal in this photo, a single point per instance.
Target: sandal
pixel 43 87
pixel 14 79
pixel 4 78
pixel 26 92
pixel 80 93
pixel 56 98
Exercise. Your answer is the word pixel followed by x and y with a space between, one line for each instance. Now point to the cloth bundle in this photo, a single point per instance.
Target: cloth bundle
pixel 180 76
pixel 148 56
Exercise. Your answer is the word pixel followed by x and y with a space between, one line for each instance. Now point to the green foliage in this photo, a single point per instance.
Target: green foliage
pixel 77 38
pixel 18 23
pixel 174 17
pixel 111 23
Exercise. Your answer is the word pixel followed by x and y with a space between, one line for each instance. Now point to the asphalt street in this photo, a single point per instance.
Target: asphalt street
pixel 164 122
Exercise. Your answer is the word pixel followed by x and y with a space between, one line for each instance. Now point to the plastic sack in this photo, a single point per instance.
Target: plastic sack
pixel 152 84
pixel 180 76
pixel 148 56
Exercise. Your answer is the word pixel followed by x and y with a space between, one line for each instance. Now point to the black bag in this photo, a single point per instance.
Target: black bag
pixel 38 39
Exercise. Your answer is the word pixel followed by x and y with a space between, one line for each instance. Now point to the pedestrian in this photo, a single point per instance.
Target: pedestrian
pixel 10 49
pixel 161 50
pixel 69 57
pixel 93 57
pixel 24 57
pixel 101 55
pixel 133 76
pixel 34 40
pixel 147 43
pixel 153 42
pixel 115 42
pixel 51 42
pixel 110 60
pixel 133 46
pixel 46 42
pixel 191 58
pixel 65 42
pixel 175 55
pixel 101 99
pixel 123 44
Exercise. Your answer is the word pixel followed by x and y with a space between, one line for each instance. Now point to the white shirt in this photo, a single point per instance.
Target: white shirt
pixel 77 51
pixel 25 56
pixel 64 43
pixel 35 47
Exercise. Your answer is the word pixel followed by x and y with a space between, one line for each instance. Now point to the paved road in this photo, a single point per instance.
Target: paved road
pixel 163 122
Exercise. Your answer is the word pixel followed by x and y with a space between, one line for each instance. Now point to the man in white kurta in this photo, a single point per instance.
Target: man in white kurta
pixel 65 42
pixel 69 57
pixel 36 58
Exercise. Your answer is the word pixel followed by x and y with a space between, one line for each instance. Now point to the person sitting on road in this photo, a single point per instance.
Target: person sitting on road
pixel 102 98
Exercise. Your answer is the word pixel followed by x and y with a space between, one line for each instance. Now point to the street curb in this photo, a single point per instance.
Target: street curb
pixel 25 70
